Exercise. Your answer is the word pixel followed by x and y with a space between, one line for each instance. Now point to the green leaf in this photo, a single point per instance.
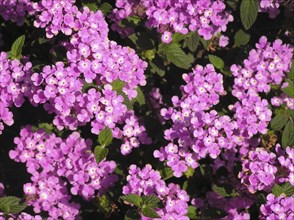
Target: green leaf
pixel 178 57
pixel 232 3
pixel 47 127
pixel 140 97
pixel 205 43
pixel 100 153
pixel 288 137
pixel 192 214
pixel 165 172
pixel 193 41
pixel 216 61
pixel 126 101
pixel 286 188
pixel 277 190
pixel 91 5
pixel 289 90
pixel 132 215
pixel 241 38
pixel 17 46
pixel 190 172
pixel 105 137
pixel 143 41
pixel 291 73
pixel 106 8
pixel 279 121
pixel 224 191
pixel 17 208
pixel 148 54
pixel 117 85
pixel 157 67
pixel 132 199
pixel 150 213
pixel 248 12
pixel 104 203
pixel 290 113
pixel 261 199
pixel 214 213
pixel 11 205
pixel 177 37
pixel 150 201
pixel 134 19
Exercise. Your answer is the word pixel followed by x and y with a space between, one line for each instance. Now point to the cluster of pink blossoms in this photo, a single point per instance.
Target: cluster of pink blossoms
pixel 262 169
pixel 234 207
pixel 272 7
pixel 259 170
pixel 90 53
pixel 15 10
pixel 50 160
pixel 55 16
pixel 61 93
pixel 283 99
pixel 266 65
pixel 15 85
pixel 147 181
pixel 92 59
pixel 280 207
pixel 207 17
pixel 196 133
pixel 100 60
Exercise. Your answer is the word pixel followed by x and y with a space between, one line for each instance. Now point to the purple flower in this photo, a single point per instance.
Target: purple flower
pixel 223 41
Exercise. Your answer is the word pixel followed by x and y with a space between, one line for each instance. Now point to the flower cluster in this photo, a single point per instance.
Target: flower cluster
pixel 259 170
pixel 251 115
pixel 207 17
pixel 89 51
pixel 55 16
pixel 26 216
pixel 265 65
pixel 50 160
pixel 280 207
pixel 270 6
pixel 234 207
pixel 286 164
pixel 103 61
pixel 20 216
pixel 62 92
pixel 15 85
pixel 15 10
pixel 147 181
pixel 95 61
pixel 49 193
pixel 283 99
pixel 195 133
pixel 223 41
pixel 132 133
